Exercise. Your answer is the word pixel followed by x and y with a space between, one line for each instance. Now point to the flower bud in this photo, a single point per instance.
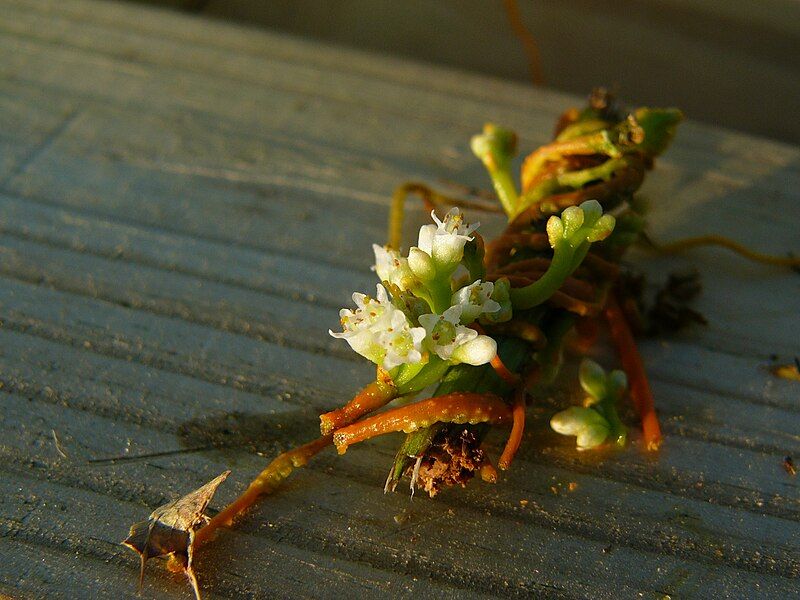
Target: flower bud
pixel 587 424
pixel 572 218
pixel 592 378
pixel 495 146
pixel 617 383
pixel 601 229
pixel 479 351
pixel 421 264
pixel 555 230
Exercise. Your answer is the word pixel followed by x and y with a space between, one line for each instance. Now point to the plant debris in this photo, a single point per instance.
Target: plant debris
pixel 788 464
pixel 170 530
pixel 450 460
pixel 58 445
pixel 670 311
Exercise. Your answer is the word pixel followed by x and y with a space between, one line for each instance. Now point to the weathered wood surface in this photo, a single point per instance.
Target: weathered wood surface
pixel 183 207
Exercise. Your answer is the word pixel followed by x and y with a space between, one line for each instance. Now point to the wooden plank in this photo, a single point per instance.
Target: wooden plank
pixel 26 126
pixel 684 533
pixel 264 271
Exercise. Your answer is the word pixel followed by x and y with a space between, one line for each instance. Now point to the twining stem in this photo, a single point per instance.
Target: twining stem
pixel 717 240
pixel 637 377
pixel 458 407
pixel 528 41
pixel 598 142
pixel 267 482
pixel 431 199
pixel 571 180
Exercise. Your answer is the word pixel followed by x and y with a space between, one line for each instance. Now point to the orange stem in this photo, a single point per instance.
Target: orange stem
pixel 267 482
pixel 458 407
pixel 637 377
pixel 587 330
pixel 497 364
pixel 528 41
pixel 517 428
pixel 503 372
pixel 372 397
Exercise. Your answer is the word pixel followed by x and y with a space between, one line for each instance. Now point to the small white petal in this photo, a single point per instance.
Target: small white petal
pixel 429 321
pixel 453 314
pixel 464 335
pixel 425 240
pixel 382 295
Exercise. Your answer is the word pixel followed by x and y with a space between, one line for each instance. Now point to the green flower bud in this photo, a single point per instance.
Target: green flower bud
pixel 421 264
pixel 495 146
pixel 590 427
pixel 502 295
pixel 592 378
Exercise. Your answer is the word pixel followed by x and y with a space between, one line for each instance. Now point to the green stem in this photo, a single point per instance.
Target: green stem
pixel 618 431
pixel 428 375
pixel 577 179
pixel 506 190
pixel 582 128
pixel 565 260
pixel 569 181
pixel 440 294
pixel 551 357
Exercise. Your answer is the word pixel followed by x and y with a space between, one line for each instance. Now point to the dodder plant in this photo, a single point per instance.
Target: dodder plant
pixel 482 325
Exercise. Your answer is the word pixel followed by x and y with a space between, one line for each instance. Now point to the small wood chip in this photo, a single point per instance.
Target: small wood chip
pixel 790 371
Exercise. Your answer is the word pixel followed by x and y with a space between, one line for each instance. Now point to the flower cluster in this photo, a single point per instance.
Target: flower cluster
pixel 425 302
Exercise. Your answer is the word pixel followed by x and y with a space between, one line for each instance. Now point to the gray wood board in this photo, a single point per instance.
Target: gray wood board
pixel 184 205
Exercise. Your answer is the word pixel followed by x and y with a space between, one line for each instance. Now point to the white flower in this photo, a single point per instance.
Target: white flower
pixel 380 332
pixel 402 344
pixel 392 267
pixel 445 240
pixel 452 341
pixel 475 300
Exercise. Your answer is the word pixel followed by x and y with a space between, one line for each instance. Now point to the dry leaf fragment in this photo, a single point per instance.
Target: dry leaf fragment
pixel 170 530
